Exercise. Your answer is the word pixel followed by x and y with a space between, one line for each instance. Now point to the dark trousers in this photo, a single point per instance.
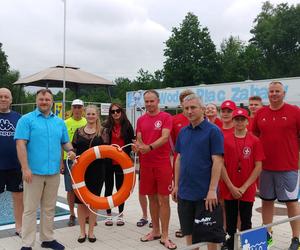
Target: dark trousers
pixel 111 172
pixel 232 207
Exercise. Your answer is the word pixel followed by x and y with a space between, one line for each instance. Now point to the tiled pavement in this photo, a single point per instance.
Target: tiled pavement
pixel 127 237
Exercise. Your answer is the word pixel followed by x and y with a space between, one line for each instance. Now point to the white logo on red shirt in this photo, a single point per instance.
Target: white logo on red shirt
pixel 246 152
pixel 158 124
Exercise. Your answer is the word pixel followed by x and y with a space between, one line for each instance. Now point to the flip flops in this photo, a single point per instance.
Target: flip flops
pixel 142 222
pixel 150 237
pixel 168 244
pixel 179 234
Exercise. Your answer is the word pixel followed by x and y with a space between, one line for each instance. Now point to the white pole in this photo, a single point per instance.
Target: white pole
pixel 64 62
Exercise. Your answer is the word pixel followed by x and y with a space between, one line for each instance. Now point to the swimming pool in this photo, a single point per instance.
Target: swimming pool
pixel 7 219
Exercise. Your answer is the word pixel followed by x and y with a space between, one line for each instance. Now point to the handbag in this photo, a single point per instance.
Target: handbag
pixel 208 226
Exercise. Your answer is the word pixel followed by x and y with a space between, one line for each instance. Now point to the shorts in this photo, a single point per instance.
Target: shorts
pixel 280 185
pixel 187 214
pixel 11 180
pixel 156 180
pixel 67 177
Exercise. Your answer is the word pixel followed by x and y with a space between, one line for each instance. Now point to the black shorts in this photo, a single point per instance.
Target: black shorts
pixel 187 213
pixel 12 180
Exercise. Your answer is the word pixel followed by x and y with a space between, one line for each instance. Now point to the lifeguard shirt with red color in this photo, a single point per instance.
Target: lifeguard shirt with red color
pixel 240 155
pixel 278 131
pixel 179 121
pixel 227 131
pixel 151 128
pixel 116 138
pixel 250 124
pixel 218 122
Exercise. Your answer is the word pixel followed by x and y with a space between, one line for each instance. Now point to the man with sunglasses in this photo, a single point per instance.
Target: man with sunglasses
pixel 74 122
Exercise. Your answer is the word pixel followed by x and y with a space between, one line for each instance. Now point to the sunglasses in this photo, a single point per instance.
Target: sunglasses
pixel 113 111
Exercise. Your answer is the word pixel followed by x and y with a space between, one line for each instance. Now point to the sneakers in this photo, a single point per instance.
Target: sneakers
pixel 294 244
pixel 270 241
pixel 228 244
pixel 53 245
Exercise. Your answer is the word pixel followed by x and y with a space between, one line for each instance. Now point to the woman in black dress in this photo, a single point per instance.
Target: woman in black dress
pixel 92 134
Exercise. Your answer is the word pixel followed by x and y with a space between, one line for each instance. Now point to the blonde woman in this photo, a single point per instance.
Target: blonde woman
pixel 92 134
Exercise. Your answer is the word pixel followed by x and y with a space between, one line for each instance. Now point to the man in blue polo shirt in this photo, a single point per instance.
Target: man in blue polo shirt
pixel 39 136
pixel 198 166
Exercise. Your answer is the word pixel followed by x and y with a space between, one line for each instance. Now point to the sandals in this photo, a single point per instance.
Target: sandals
pixel 168 244
pixel 150 237
pixel 142 222
pixel 108 222
pixel 120 221
pixel 72 221
pixel 179 234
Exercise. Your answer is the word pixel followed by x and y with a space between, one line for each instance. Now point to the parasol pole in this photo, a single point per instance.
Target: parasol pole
pixel 64 62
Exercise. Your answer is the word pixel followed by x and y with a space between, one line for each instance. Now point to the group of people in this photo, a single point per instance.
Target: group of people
pixel 215 161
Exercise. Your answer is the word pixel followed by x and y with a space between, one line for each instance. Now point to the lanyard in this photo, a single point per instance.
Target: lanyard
pixel 239 152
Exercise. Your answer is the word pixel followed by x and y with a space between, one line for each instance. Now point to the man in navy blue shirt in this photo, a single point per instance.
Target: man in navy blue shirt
pixel 10 170
pixel 198 166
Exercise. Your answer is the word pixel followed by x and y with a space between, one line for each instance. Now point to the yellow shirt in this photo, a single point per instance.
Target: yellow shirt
pixel 72 125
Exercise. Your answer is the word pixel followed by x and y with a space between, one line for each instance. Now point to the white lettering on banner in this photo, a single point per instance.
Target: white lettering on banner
pixel 217 93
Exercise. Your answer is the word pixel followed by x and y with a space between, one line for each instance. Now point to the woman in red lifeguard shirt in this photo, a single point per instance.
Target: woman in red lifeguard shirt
pixel 121 133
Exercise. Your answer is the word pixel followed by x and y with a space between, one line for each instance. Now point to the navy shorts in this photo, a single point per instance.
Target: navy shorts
pixel 11 180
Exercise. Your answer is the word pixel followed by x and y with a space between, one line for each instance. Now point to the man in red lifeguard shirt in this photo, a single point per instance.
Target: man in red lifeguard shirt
pixel 179 121
pixel 255 103
pixel 156 173
pixel 278 127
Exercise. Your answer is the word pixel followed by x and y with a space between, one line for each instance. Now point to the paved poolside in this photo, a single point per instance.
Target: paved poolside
pixel 127 237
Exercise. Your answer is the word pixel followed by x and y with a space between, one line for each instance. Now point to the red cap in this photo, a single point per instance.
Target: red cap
pixel 240 112
pixel 228 104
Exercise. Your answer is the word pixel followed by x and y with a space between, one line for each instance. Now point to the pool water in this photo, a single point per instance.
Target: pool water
pixel 6 210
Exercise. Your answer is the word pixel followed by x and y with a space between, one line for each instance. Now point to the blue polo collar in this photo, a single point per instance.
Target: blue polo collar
pixel 39 113
pixel 201 125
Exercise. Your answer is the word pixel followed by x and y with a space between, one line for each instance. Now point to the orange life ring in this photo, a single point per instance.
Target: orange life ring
pixel 100 152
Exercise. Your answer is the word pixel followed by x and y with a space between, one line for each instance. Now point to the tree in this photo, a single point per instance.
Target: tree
pixel 276 33
pixel 7 77
pixel 191 56
pixel 231 59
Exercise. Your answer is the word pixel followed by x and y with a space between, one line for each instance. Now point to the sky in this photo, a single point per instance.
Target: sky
pixel 111 38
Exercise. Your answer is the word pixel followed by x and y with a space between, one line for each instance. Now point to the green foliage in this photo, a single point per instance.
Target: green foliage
pixel 7 77
pixel 191 56
pixel 276 33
